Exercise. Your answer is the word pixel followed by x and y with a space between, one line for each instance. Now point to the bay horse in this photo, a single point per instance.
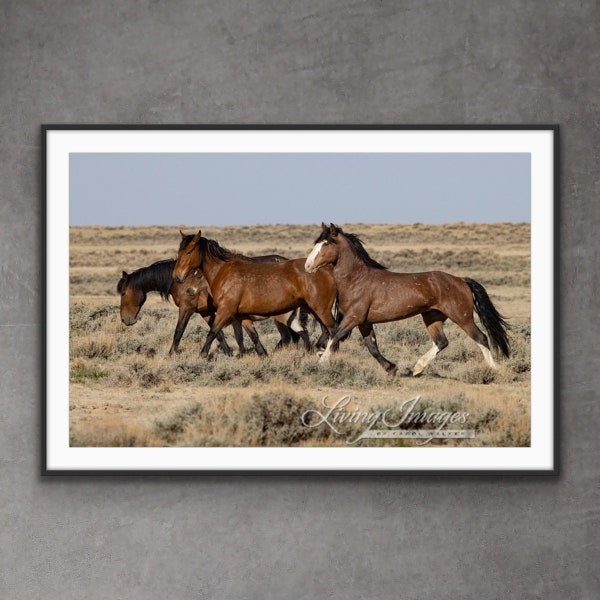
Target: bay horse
pixel 191 296
pixel 369 293
pixel 241 286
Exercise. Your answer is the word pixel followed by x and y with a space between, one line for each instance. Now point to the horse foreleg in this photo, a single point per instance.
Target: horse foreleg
pixel 209 317
pixel 322 341
pixel 329 327
pixel 184 318
pixel 248 325
pixel 345 327
pixel 368 333
pixel 219 321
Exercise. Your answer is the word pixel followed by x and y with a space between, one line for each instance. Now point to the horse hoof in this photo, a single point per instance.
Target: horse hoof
pixel 417 373
pixel 392 370
pixel 405 373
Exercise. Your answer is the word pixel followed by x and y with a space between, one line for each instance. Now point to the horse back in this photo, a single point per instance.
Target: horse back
pixel 393 296
pixel 256 287
pixel 270 288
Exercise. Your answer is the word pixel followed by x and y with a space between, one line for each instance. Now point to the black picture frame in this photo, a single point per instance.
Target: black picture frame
pixel 46 316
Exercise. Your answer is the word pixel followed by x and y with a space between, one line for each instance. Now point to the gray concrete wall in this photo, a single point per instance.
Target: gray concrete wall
pixel 326 61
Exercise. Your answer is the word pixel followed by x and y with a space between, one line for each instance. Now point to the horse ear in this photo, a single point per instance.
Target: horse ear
pixel 124 275
pixel 196 238
pixel 181 234
pixel 324 227
pixel 333 230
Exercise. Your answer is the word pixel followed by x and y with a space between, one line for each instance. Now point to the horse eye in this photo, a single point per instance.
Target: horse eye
pixel 122 293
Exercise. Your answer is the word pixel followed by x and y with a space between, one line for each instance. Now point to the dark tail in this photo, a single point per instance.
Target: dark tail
pixel 492 320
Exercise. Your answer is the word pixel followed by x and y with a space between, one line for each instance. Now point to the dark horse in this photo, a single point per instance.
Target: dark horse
pixel 369 293
pixel 241 286
pixel 191 296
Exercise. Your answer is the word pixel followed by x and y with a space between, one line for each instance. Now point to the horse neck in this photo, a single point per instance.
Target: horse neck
pixel 210 268
pixel 348 265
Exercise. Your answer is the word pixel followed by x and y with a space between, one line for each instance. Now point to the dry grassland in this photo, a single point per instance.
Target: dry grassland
pixel 125 390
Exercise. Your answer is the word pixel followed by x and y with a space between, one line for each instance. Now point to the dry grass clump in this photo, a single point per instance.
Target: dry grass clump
pixel 81 372
pixel 134 365
pixel 279 417
pixel 282 418
pixel 268 419
pixel 110 433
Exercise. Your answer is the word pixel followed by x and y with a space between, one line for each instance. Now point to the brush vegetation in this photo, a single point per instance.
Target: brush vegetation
pixel 126 391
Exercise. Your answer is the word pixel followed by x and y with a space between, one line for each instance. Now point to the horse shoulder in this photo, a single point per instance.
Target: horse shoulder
pixel 229 272
pixel 176 294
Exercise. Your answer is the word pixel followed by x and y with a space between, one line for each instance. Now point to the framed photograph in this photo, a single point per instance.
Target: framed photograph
pixel 299 299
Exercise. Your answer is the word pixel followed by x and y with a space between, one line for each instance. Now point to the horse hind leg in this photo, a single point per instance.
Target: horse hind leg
pixel 480 339
pixel 239 336
pixel 434 321
pixel 284 333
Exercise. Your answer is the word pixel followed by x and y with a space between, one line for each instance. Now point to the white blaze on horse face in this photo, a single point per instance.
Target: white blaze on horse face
pixel 310 261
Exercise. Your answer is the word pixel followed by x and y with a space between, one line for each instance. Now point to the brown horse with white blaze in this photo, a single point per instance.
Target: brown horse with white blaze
pixel 369 293
pixel 241 287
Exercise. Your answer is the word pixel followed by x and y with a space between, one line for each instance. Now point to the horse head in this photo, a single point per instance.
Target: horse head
pixel 325 250
pixel 188 256
pixel 132 300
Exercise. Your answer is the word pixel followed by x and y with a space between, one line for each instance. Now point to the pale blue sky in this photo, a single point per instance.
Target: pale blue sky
pixel 250 189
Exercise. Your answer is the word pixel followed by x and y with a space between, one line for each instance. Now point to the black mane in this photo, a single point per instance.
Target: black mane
pixel 157 277
pixel 355 243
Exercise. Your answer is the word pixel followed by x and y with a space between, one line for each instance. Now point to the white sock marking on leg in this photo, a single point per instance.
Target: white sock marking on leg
pixel 295 324
pixel 425 359
pixel 327 354
pixel 489 359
